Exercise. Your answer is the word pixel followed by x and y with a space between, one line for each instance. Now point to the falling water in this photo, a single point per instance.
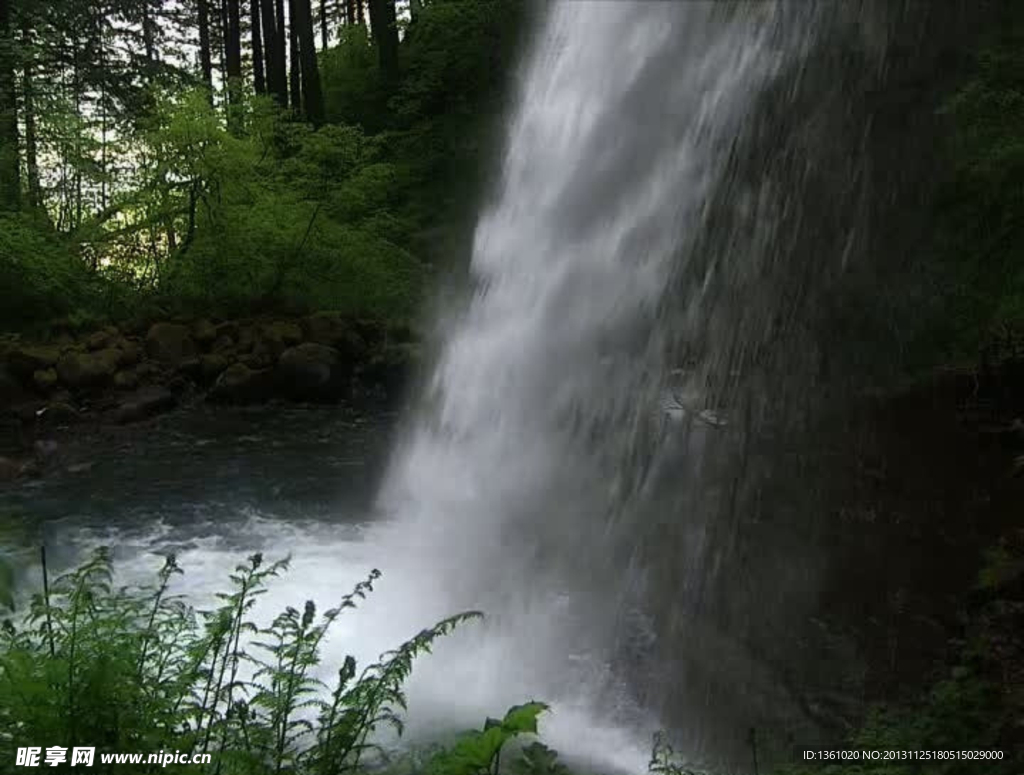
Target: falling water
pixel 536 431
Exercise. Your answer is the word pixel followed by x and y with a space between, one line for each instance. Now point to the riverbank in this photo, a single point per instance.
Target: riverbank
pixel 72 384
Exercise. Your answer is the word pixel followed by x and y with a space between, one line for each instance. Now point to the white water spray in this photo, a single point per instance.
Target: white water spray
pixel 503 487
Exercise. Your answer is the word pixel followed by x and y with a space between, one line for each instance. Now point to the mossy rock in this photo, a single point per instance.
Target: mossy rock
pixel 24 362
pixel 91 369
pixel 239 384
pixel 45 380
pixel 170 343
pixel 313 372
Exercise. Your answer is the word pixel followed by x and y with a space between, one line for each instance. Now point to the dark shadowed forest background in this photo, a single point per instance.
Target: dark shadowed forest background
pixel 246 202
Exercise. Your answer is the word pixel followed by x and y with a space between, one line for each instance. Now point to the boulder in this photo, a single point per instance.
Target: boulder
pixel 334 330
pixel 126 380
pixel 170 343
pixel 227 329
pixel 45 449
pixel 257 360
pixel 401 333
pixel 238 384
pixel 131 352
pixel 83 370
pixel 45 380
pixel 211 366
pixel 10 469
pixel 391 368
pixel 312 371
pixel 26 361
pixel 148 371
pixel 204 332
pixel 373 332
pixel 204 369
pixel 28 412
pixel 57 413
pixel 100 340
pixel 11 390
pixel 190 368
pixel 144 403
pixel 245 339
pixel 179 385
pixel 222 344
pixel 276 337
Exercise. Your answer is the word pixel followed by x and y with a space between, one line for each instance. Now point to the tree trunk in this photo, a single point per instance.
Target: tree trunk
pixel 294 62
pixel 276 79
pixel 281 39
pixel 350 12
pixel 10 171
pixel 148 41
pixel 223 15
pixel 205 59
pixel 259 78
pixel 35 198
pixel 312 95
pixel 233 65
pixel 323 25
pixel 384 27
pixel 359 12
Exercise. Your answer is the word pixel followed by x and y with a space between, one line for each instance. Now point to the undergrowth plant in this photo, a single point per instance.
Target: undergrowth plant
pixel 141 670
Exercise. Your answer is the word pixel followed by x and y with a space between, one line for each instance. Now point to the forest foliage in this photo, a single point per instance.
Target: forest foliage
pixel 230 156
pixel 974 261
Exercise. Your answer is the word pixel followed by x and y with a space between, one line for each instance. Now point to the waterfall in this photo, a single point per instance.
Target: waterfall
pixel 539 424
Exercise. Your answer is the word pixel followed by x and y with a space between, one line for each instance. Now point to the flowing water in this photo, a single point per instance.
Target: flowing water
pixel 621 274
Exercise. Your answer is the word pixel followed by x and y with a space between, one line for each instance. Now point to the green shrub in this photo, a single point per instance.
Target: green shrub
pixel 139 670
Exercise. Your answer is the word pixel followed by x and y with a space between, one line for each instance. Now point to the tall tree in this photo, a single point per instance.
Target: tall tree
pixel 222 36
pixel 312 95
pixel 384 27
pixel 276 78
pixel 233 63
pixel 28 103
pixel 294 61
pixel 149 31
pixel 281 39
pixel 350 12
pixel 323 24
pixel 10 171
pixel 258 74
pixel 205 57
